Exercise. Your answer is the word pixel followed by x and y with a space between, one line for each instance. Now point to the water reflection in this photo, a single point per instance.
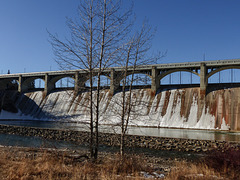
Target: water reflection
pixel 26 141
pixel 186 133
pixel 145 131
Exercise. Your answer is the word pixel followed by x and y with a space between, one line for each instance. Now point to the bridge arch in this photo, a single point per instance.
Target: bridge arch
pixel 64 82
pixel 140 78
pixel 57 78
pixel 162 75
pixel 8 84
pixel 39 83
pixel 180 77
pixel 29 83
pixel 221 69
pixel 105 80
pixel 138 72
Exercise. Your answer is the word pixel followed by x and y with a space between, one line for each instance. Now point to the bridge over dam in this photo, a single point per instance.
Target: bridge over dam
pixel 156 72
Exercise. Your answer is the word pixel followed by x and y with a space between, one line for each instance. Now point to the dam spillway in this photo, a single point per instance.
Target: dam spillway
pixel 176 108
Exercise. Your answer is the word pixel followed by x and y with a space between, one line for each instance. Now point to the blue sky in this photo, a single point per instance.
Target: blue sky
pixel 187 29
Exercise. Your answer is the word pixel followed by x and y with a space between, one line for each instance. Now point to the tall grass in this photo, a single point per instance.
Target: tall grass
pixel 190 171
pixel 45 165
pixel 42 164
pixel 226 163
pixel 215 165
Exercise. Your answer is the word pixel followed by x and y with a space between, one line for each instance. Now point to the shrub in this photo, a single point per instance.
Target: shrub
pixel 227 162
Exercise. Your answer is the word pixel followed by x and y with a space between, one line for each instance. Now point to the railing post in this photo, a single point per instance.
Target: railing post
pixel 155 80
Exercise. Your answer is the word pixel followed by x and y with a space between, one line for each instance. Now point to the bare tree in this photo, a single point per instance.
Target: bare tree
pixel 136 54
pixel 102 37
pixel 95 43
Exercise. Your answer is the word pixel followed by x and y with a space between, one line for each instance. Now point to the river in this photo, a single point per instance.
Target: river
pixel 144 131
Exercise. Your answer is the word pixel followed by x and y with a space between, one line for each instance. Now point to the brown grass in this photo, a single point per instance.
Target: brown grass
pixel 55 165
pixel 226 163
pixel 216 165
pixel 28 164
pixel 190 171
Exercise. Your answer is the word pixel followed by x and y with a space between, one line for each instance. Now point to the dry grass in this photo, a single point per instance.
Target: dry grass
pixel 216 165
pixel 28 164
pixel 55 165
pixel 190 171
pixel 227 163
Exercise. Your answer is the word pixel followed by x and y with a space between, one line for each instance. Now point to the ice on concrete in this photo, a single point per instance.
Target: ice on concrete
pixel 147 110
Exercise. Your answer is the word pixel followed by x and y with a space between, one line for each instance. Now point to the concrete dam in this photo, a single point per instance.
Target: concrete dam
pixel 197 106
pixel 174 108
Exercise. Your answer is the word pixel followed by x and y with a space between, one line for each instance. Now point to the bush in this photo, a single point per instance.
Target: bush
pixel 216 165
pixel 227 162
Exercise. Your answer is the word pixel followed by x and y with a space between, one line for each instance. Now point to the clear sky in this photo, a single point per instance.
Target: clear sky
pixel 186 29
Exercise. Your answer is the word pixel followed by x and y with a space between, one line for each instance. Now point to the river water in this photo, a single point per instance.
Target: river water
pixel 145 131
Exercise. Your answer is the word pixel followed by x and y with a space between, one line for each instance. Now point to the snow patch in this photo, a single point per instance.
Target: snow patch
pixel 224 126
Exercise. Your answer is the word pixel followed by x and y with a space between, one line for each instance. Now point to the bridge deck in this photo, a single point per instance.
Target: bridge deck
pixel 216 63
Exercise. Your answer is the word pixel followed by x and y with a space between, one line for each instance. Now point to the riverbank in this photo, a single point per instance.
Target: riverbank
pixel 40 163
pixel 144 160
pixel 132 141
pixel 45 163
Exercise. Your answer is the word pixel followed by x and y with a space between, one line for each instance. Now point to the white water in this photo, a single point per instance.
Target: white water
pixel 60 106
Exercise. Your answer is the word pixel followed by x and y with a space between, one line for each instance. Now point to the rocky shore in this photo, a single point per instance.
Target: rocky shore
pixel 108 139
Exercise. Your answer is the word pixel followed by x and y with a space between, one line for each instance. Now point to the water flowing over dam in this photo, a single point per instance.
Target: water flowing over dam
pixel 176 108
